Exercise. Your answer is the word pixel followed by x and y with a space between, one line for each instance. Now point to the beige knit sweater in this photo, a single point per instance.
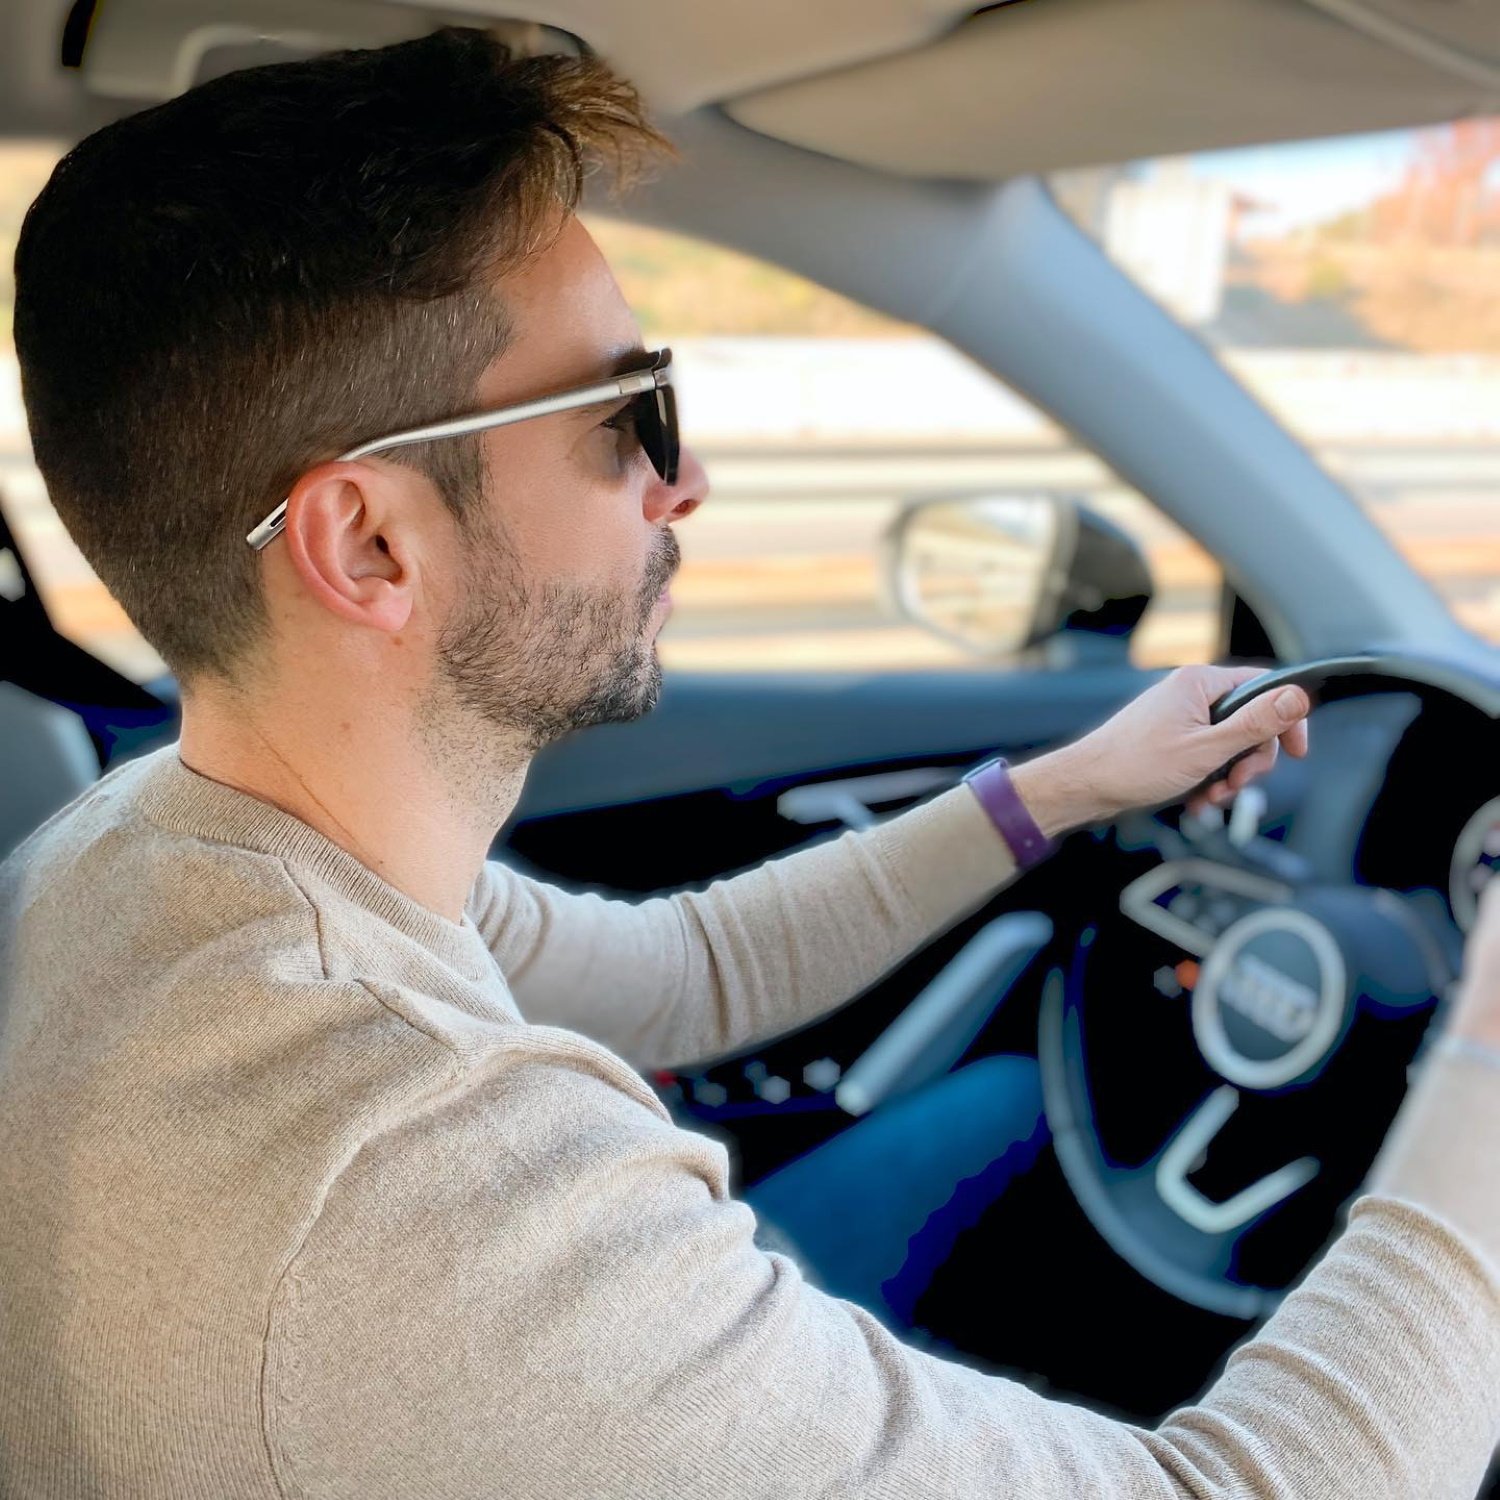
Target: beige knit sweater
pixel 308 1191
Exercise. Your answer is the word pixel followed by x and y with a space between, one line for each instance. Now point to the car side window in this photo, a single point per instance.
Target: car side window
pixel 818 420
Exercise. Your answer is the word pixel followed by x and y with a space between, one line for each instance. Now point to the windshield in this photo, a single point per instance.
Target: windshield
pixel 1354 285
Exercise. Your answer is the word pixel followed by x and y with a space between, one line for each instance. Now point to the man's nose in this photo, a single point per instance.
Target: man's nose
pixel 675 502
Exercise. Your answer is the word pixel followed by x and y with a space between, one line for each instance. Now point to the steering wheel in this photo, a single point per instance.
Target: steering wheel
pixel 1213 1125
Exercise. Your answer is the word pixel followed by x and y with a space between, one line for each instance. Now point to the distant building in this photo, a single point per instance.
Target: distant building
pixel 1171 231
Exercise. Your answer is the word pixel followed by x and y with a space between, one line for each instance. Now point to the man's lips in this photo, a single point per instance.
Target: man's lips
pixel 664 598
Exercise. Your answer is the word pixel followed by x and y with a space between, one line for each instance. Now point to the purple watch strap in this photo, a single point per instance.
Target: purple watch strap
pixel 997 794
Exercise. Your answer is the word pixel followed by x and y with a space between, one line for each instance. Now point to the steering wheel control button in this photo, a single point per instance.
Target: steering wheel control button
pixel 1223 913
pixel 1270 999
pixel 774 1090
pixel 822 1075
pixel 1166 983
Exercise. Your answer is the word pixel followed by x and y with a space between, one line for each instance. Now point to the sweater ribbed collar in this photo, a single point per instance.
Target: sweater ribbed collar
pixel 177 798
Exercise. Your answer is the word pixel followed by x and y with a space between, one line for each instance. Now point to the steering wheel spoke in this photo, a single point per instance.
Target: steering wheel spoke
pixel 1191 1141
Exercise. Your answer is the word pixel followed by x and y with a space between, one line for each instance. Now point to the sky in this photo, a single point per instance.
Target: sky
pixel 1307 181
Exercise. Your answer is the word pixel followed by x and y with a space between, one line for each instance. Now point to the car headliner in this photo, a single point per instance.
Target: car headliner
pixel 927 88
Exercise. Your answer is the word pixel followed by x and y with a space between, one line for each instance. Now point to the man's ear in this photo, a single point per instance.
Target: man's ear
pixel 350 540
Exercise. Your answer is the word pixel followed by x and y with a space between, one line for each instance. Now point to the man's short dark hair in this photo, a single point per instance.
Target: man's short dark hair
pixel 215 294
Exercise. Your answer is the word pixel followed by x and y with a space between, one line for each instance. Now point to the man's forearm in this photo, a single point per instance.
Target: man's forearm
pixel 801 935
pixel 820 925
pixel 694 975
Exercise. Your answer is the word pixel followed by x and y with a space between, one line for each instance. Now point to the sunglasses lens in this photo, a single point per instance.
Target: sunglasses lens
pixel 661 440
pixel 656 427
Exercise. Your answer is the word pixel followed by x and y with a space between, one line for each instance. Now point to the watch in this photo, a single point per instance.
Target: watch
pixel 997 794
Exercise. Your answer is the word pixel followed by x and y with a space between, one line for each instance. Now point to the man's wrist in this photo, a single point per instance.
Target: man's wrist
pixel 1058 793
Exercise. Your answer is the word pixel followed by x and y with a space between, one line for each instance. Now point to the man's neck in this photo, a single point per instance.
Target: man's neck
pixel 369 788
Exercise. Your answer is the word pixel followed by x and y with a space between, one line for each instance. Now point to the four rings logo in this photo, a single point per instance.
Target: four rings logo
pixel 1272 1000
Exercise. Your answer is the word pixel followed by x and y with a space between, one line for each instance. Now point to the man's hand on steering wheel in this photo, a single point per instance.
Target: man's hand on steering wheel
pixel 1163 746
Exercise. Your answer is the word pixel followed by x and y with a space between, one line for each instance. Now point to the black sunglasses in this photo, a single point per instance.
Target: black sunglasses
pixel 653 413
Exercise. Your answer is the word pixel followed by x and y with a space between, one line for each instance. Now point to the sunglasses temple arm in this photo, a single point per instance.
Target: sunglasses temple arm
pixel 591 395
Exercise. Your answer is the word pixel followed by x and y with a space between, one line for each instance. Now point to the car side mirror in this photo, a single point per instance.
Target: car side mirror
pixel 1002 574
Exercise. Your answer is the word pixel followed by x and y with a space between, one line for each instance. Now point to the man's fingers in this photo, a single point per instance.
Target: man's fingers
pixel 1257 763
pixel 1294 740
pixel 1222 679
pixel 1265 718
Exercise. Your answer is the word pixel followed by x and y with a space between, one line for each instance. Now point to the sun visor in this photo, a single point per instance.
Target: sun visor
pixel 1068 83
pixel 1462 36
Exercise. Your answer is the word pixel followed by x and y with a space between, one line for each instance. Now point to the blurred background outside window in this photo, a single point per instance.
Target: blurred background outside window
pixel 1354 285
pixel 1351 283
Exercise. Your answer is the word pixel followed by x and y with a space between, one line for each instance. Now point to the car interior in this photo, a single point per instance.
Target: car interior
pixel 1211 1114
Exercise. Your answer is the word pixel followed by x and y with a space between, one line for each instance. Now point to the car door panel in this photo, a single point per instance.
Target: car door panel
pixel 690 790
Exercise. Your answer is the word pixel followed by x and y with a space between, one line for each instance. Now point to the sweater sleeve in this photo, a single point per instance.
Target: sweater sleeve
pixel 544 1288
pixel 1443 1148
pixel 679 979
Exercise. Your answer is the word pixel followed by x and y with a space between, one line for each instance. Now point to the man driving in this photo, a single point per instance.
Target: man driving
pixel 326 1162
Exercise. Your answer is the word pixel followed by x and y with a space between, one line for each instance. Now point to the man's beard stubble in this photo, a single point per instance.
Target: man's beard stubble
pixel 545 661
